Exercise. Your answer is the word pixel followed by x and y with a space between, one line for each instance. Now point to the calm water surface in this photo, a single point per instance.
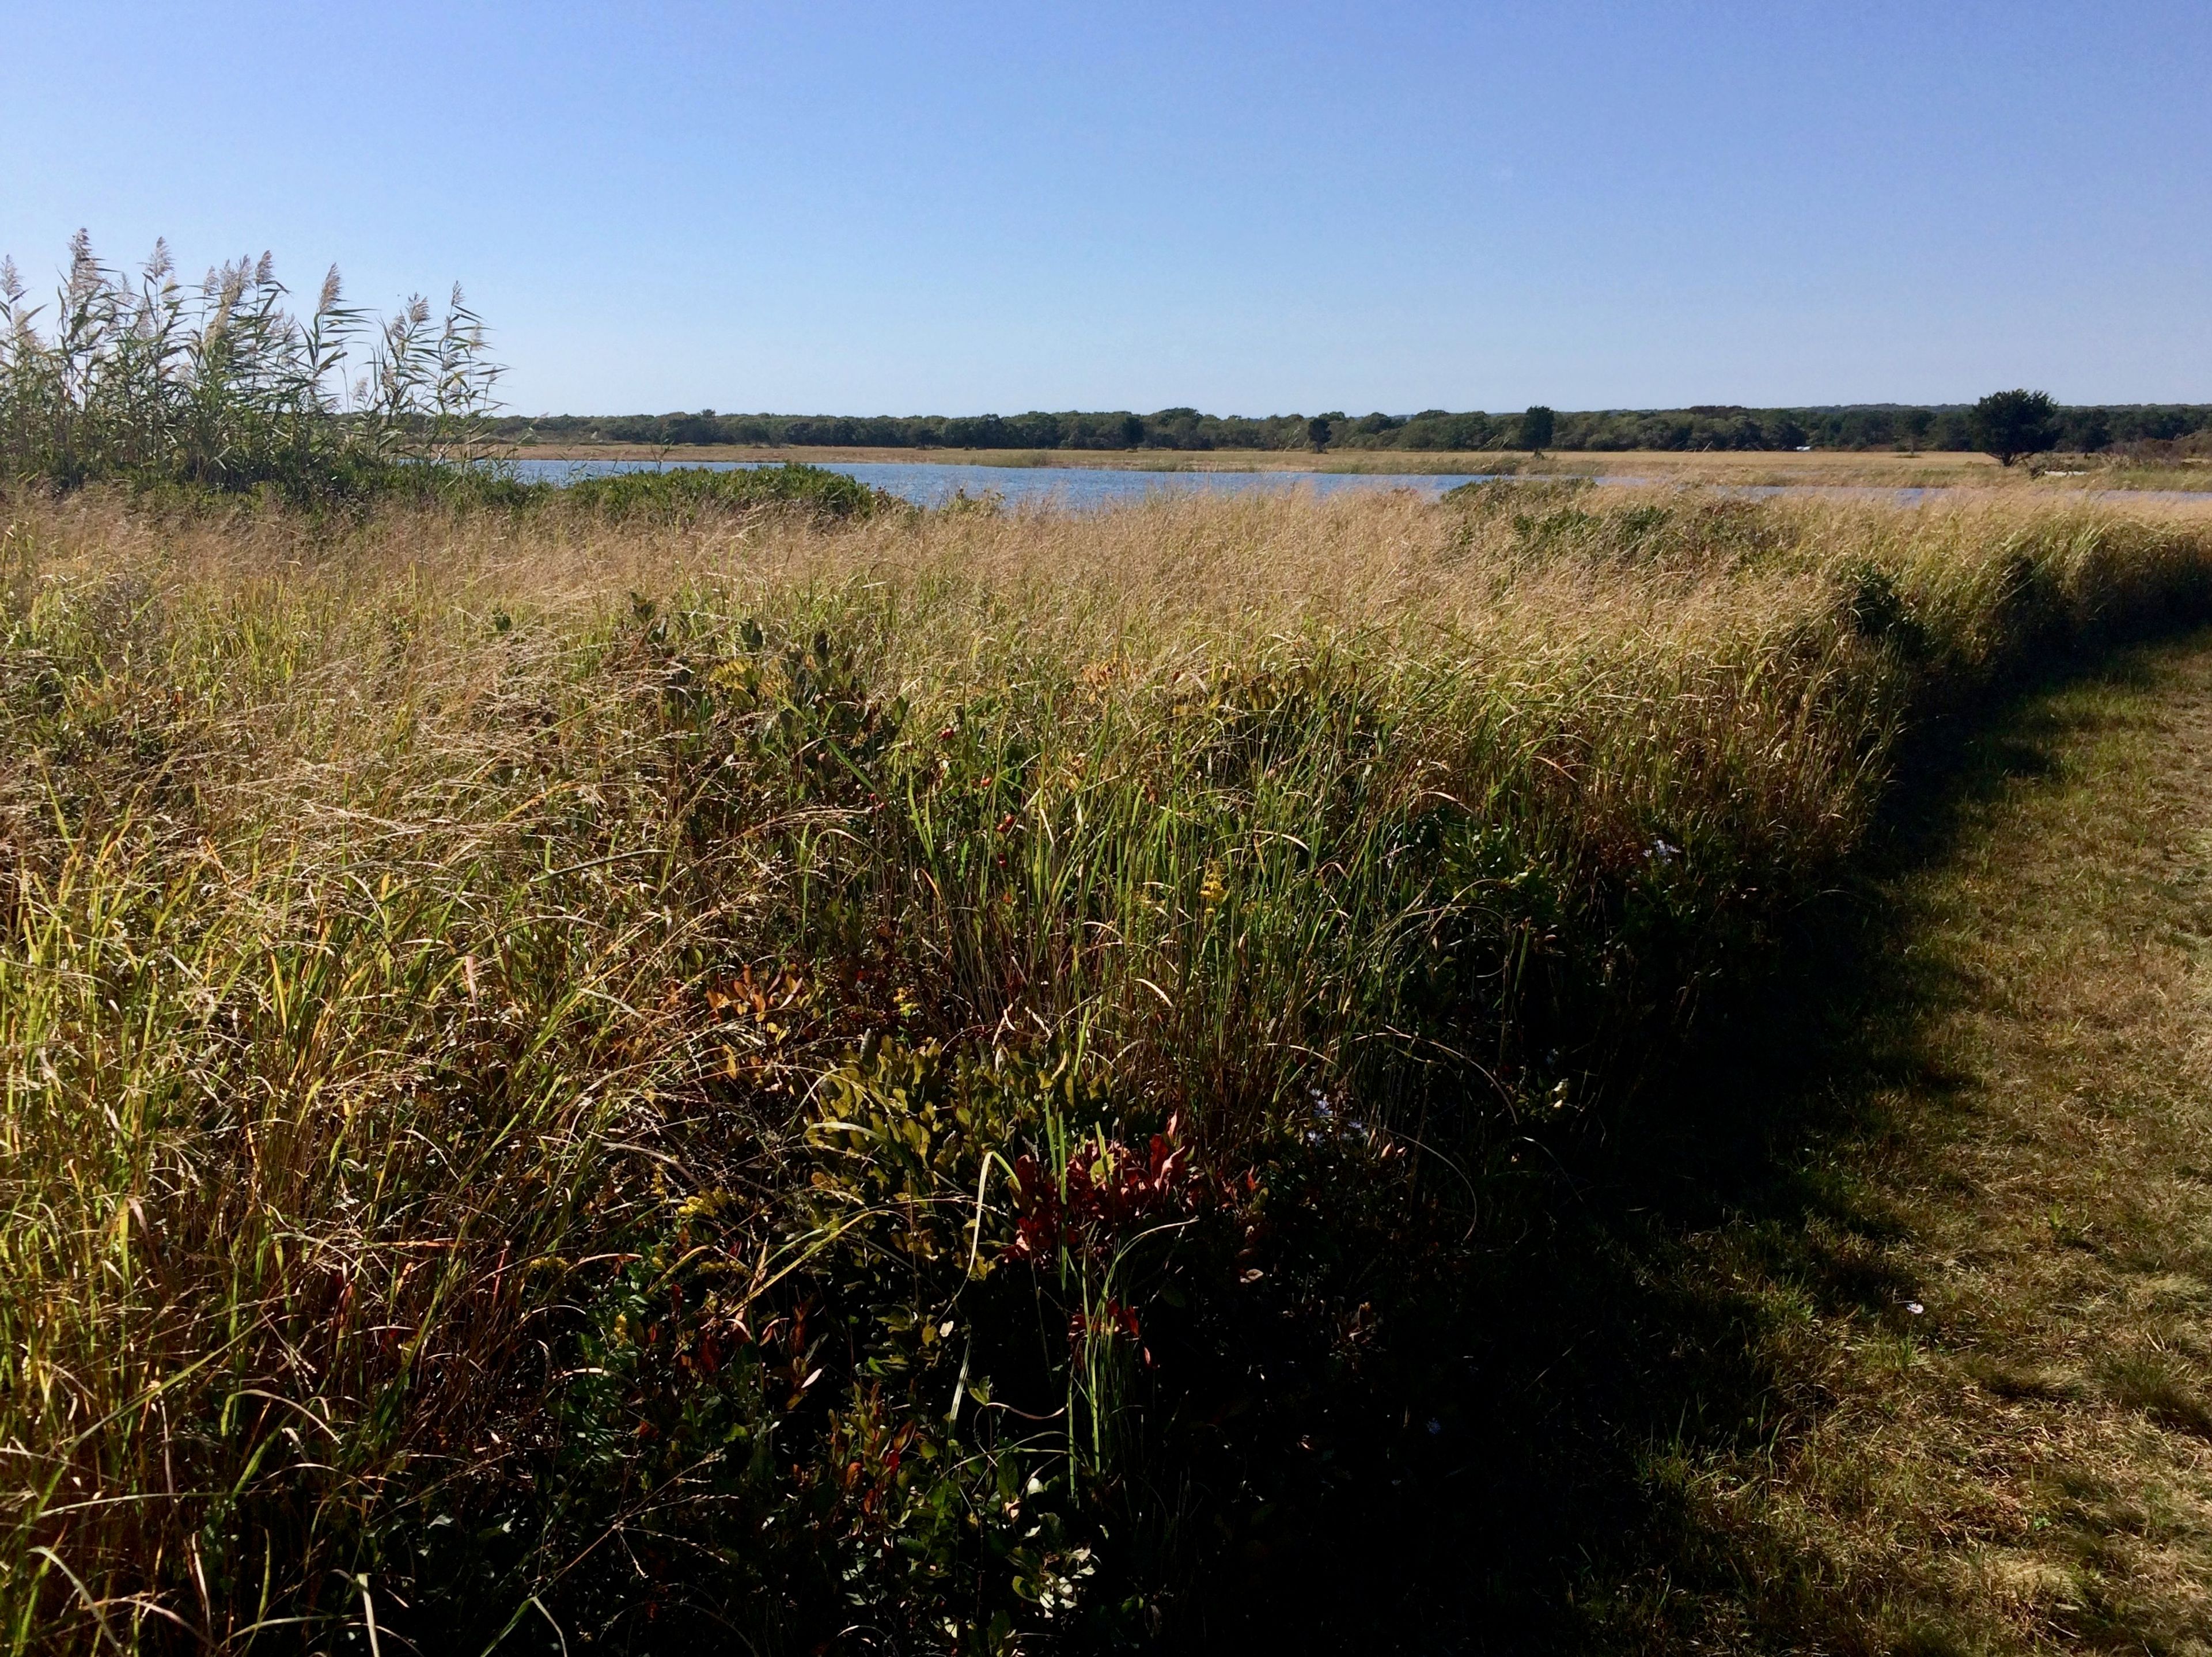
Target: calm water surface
pixel 1084 487
pixel 1078 487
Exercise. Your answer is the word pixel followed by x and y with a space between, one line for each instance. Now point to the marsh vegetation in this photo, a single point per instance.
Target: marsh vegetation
pixel 713 1055
pixel 614 1068
pixel 224 384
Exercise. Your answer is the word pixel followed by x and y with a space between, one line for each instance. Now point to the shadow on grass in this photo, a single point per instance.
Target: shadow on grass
pixel 1627 1319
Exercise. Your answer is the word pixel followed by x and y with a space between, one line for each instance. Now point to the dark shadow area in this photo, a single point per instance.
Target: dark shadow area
pixel 1501 1500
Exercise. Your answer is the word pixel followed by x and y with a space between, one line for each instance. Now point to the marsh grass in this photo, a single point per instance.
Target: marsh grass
pixel 222 385
pixel 2171 477
pixel 582 1073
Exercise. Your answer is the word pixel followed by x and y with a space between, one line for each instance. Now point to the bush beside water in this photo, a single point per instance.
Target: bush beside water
pixel 630 1071
pixel 683 492
pixel 220 389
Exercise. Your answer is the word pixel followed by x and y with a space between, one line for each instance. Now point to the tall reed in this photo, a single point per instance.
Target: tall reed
pixel 219 385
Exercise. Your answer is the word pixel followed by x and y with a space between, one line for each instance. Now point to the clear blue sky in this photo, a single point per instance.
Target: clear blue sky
pixel 1249 208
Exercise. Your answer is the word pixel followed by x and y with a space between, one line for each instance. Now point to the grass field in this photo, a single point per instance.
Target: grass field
pixel 938 1080
pixel 2190 474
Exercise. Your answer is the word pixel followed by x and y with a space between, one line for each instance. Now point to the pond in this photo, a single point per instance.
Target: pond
pixel 1081 488
pixel 1077 487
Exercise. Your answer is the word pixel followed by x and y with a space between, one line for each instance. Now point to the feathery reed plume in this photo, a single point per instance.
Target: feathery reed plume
pixel 227 388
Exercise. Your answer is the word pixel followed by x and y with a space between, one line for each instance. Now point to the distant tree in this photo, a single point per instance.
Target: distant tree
pixel 2089 430
pixel 1176 428
pixel 701 427
pixel 1133 431
pixel 2009 424
pixel 1317 430
pixel 1953 430
pixel 1914 424
pixel 1537 428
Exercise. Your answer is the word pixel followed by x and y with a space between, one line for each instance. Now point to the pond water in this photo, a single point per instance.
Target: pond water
pixel 1077 487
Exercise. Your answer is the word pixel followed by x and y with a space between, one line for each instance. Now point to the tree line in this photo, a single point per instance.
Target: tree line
pixel 2084 430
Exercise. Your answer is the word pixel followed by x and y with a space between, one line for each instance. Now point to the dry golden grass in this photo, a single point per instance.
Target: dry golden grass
pixel 379 892
pixel 1837 468
pixel 2179 474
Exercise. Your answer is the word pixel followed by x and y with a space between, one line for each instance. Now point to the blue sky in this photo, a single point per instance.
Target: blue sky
pixel 1252 209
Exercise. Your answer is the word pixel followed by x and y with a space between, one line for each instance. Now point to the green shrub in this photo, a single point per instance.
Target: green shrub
pixel 684 492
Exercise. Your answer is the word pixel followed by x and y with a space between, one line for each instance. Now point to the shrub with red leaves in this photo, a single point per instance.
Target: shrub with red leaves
pixel 1109 1190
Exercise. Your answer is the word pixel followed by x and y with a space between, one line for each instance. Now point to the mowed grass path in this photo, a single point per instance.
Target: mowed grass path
pixel 1989 1328
pixel 1887 1331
